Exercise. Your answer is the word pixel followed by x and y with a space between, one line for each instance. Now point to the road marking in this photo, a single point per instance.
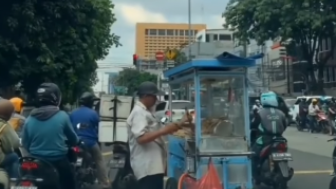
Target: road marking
pixel 107 153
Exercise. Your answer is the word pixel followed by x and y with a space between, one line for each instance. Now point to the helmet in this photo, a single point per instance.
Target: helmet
pixel 257 101
pixel 49 94
pixel 148 88
pixel 17 103
pixel 269 99
pixel 314 100
pixel 87 99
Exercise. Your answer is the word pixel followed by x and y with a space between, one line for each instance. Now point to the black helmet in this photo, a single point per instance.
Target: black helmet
pixel 148 88
pixel 49 94
pixel 87 99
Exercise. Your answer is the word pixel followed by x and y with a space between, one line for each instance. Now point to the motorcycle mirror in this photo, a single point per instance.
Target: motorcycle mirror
pixel 164 120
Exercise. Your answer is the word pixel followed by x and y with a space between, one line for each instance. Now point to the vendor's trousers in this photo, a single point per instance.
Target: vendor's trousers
pixel 151 182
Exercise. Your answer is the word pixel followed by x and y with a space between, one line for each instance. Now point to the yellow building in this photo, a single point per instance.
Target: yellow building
pixel 157 37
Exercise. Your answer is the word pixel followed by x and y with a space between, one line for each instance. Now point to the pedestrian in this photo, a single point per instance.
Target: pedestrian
pixel 147 148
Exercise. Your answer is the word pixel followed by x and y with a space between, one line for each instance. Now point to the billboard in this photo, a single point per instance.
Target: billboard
pixel 277 69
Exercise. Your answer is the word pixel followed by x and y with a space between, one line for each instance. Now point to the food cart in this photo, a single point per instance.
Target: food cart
pixel 223 138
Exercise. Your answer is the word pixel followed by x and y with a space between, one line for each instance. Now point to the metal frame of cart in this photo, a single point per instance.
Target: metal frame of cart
pixel 192 154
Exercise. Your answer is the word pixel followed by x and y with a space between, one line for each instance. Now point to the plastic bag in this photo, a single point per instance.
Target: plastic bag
pixel 210 180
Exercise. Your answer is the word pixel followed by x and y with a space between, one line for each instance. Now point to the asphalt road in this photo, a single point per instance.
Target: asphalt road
pixel 312 159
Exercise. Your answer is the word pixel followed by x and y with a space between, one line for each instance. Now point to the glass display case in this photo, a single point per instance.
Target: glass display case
pixel 222 114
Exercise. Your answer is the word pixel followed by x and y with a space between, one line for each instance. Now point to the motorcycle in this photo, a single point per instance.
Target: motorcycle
pixel 298 123
pixel 85 166
pixel 273 165
pixel 332 184
pixel 322 123
pixel 36 173
pixel 120 172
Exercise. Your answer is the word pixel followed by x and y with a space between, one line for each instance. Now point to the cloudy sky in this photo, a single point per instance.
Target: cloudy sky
pixel 129 12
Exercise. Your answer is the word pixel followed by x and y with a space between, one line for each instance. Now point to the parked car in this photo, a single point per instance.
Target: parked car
pixel 177 109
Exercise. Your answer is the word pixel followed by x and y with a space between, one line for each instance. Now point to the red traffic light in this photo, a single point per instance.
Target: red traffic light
pixel 135 59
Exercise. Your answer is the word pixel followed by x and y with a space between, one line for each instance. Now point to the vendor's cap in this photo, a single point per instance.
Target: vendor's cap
pixel 148 88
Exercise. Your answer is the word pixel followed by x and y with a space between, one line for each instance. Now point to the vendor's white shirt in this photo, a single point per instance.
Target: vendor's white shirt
pixel 146 159
pixel 312 110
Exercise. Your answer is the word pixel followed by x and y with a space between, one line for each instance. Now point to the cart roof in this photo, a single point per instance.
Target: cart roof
pixel 224 61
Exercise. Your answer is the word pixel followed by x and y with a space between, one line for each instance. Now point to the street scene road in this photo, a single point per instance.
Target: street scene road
pixel 312 159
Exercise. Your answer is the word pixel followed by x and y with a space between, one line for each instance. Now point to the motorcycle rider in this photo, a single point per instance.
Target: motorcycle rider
pixel 332 116
pixel 303 112
pixel 47 133
pixel 88 117
pixel 271 122
pixel 9 160
pixel 17 120
pixel 313 109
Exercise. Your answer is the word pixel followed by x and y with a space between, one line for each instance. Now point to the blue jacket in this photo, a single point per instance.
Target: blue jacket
pixel 89 117
pixel 48 133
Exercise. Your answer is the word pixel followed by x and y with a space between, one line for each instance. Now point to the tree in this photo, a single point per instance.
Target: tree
pixel 181 57
pixel 132 78
pixel 305 24
pixel 57 41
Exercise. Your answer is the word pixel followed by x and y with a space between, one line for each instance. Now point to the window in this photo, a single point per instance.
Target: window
pixel 161 106
pixel 170 32
pixel 152 32
pixel 224 37
pixel 146 31
pixel 162 32
pixel 207 38
pixel 215 37
pixel 195 32
pixel 181 32
pixel 176 32
pixel 186 32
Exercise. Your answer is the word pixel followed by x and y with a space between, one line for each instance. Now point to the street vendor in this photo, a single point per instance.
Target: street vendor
pixel 147 147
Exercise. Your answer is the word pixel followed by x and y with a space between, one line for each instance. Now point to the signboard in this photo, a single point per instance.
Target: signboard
pixel 171 54
pixel 170 64
pixel 277 70
pixel 159 56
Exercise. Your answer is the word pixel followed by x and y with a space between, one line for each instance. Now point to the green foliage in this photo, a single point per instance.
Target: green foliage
pixel 181 57
pixel 56 41
pixel 132 78
pixel 301 23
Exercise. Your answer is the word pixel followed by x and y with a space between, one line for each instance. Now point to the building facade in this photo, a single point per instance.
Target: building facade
pixel 158 37
pixel 210 43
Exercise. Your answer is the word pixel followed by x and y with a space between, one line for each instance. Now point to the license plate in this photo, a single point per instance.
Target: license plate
pixel 79 161
pixel 117 163
pixel 282 156
pixel 23 187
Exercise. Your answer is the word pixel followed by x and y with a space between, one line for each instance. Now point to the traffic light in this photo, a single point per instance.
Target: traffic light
pixel 135 59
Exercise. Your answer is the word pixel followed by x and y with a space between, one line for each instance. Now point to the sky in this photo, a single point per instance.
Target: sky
pixel 129 12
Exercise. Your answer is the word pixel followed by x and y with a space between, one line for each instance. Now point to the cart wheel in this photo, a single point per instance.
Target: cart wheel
pixel 171 183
